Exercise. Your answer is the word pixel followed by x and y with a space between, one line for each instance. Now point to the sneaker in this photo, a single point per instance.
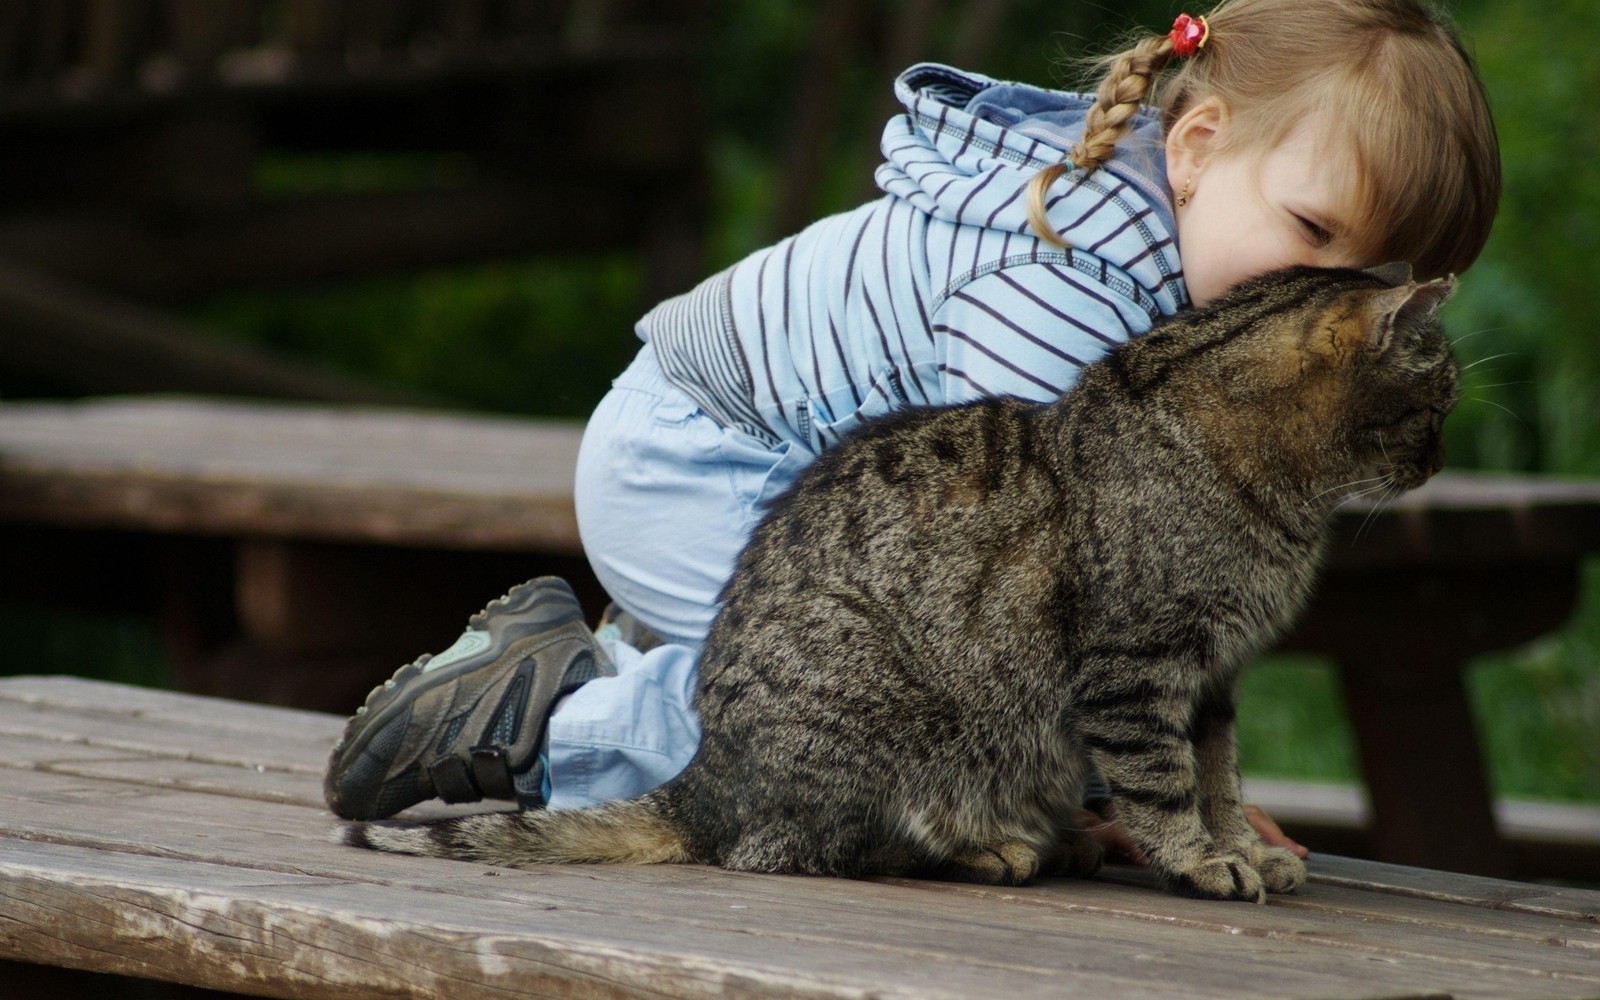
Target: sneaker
pixel 620 625
pixel 468 724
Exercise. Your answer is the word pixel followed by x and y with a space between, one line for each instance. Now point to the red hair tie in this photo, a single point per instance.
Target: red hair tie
pixel 1188 35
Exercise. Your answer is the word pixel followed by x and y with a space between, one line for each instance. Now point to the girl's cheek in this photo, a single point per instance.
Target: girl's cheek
pixel 1295 251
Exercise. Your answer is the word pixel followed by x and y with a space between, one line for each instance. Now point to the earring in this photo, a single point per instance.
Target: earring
pixel 1183 196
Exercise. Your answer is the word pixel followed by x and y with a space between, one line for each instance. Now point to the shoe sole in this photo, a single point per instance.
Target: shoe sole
pixel 389 700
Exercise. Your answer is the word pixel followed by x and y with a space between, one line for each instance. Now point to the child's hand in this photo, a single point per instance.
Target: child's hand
pixel 1108 833
pixel 1271 833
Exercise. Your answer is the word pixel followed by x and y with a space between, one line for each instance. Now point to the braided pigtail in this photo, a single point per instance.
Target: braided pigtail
pixel 1127 82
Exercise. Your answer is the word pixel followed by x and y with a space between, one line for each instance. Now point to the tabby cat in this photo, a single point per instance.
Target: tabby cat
pixel 957 613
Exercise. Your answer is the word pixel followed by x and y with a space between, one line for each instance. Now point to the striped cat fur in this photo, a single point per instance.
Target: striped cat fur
pixel 957 613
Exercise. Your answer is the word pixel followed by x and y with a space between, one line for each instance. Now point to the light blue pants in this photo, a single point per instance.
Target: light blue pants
pixel 666 498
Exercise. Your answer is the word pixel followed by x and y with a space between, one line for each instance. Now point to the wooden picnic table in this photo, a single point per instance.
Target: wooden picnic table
pixel 298 554
pixel 183 838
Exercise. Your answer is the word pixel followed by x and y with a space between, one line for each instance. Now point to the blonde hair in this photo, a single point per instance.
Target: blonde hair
pixel 1402 96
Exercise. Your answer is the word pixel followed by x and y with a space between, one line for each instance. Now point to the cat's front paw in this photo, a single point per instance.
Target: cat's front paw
pixel 1280 869
pixel 1219 876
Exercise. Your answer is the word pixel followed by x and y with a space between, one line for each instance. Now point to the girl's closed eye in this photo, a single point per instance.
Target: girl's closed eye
pixel 1318 235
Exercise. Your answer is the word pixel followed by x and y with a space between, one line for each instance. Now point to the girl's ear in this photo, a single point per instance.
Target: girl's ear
pixel 1196 134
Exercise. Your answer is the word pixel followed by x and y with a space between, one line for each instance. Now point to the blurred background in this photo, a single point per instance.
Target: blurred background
pixel 469 204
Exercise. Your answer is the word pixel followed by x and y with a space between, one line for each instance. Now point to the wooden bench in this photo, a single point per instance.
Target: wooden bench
pixel 137 136
pixel 158 154
pixel 298 554
pixel 182 838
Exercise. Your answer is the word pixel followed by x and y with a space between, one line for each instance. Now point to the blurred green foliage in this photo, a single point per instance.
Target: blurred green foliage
pixel 1539 709
pixel 546 336
pixel 41 638
pixel 1529 303
pixel 542 337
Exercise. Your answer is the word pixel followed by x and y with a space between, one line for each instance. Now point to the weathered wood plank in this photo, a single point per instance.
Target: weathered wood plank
pixel 176 836
pixel 135 770
pixel 209 732
pixel 391 476
pixel 1332 895
pixel 306 736
pixel 760 952
pixel 200 742
pixel 1347 920
pixel 1365 904
pixel 1449 887
pixel 292 938
pixel 760 933
pixel 309 445
pixel 1106 918
pixel 88 698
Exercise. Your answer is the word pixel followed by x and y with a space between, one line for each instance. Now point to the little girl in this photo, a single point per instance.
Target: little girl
pixel 1022 233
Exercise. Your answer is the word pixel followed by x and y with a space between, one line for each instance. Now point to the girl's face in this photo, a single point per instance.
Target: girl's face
pixel 1250 212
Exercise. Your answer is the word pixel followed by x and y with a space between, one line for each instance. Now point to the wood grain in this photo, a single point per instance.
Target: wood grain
pixel 142 833
pixel 212 467
pixel 402 476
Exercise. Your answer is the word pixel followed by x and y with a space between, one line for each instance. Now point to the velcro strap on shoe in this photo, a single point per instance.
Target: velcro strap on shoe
pixel 452 781
pixel 492 770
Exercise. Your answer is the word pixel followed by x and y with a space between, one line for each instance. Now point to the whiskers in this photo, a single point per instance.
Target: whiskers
pixel 1466 374
pixel 1476 387
pixel 1383 486
pixel 1358 488
pixel 1493 357
pixel 1458 341
pixel 1388 490
pixel 1502 408
pixel 1388 493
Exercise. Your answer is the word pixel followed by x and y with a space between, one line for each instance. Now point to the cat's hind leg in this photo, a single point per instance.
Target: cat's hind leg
pixel 789 846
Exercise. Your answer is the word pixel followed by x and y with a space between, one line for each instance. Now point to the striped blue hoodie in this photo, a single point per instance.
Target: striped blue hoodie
pixel 937 292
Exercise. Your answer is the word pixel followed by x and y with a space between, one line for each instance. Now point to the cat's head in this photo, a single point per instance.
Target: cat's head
pixel 1348 372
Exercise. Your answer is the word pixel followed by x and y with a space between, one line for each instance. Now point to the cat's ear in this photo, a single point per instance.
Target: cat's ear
pixel 1393 274
pixel 1405 306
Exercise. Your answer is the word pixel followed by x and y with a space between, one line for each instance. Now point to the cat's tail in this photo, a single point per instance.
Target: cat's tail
pixel 633 831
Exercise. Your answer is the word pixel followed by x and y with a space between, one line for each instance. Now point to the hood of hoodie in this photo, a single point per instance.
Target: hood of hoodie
pixel 968 144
